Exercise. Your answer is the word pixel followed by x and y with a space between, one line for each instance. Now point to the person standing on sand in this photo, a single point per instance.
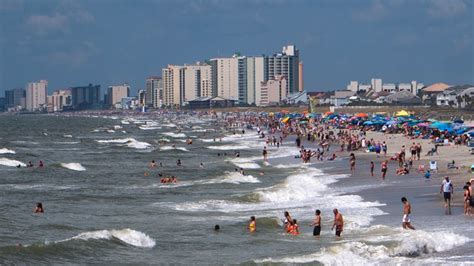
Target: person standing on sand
pixel 418 151
pixel 447 189
pixel 384 148
pixel 338 223
pixel 406 214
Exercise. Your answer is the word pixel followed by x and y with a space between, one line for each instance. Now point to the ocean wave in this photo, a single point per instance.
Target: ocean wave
pixel 127 236
pixel 149 127
pixel 73 166
pixel 67 136
pixel 174 135
pixel 10 162
pixel 6 151
pixel 169 148
pixel 409 246
pixel 229 147
pixel 129 142
pixel 234 178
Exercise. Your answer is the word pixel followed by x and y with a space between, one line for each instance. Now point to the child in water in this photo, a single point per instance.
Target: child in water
pixel 294 229
pixel 252 224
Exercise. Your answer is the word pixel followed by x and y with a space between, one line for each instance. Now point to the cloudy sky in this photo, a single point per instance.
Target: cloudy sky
pixel 72 43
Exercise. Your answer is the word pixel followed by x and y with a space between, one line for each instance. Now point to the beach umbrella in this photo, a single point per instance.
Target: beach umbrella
pixel 285 120
pixel 423 124
pixel 402 113
pixel 361 115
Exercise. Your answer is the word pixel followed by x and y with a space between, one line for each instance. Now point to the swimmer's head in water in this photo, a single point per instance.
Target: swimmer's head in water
pixel 217 227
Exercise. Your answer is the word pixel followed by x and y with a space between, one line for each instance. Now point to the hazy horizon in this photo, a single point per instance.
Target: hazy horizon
pixel 74 43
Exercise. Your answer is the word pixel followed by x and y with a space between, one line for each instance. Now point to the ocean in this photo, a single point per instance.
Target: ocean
pixel 104 204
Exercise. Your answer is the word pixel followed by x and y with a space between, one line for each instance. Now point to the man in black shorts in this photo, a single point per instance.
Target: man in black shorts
pixel 447 189
pixel 317 224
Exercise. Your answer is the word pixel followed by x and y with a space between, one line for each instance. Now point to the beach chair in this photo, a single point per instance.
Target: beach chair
pixel 433 166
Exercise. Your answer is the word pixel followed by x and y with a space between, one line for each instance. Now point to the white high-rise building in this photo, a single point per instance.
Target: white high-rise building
pixel 154 92
pixel 376 84
pixel 255 76
pixel 173 85
pixel 116 93
pixel 226 77
pixel 36 93
pixel 353 86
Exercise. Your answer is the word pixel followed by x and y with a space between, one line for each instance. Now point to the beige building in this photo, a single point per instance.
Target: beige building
pixel 59 100
pixel 116 93
pixel 197 81
pixel 273 91
pixel 36 93
pixel 173 77
pixel 255 77
pixel 300 76
pixel 227 77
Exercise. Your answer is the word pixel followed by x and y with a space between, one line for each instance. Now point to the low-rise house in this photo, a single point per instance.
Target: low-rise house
pixel 456 96
pixel 403 98
pixel 428 94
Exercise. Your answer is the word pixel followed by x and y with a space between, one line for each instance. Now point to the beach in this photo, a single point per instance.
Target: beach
pixel 101 207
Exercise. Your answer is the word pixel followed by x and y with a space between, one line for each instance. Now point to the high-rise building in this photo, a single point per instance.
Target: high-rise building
pixel 353 86
pixel 197 81
pixel 226 77
pixel 173 85
pixel 116 93
pixel 272 91
pixel 154 92
pixel 142 98
pixel 36 93
pixel 376 84
pixel 286 64
pixel 86 97
pixel 59 100
pixel 300 76
pixel 15 98
pixel 255 76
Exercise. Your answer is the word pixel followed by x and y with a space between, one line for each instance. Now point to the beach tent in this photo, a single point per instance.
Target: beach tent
pixel 285 120
pixel 361 115
pixel 402 113
pixel 441 126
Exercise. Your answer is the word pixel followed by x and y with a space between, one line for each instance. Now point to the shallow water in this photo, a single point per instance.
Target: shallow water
pixel 100 207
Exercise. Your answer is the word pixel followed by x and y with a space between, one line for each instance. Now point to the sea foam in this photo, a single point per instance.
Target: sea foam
pixel 128 236
pixel 73 166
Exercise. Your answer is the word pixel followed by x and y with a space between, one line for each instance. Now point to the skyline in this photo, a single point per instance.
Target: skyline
pixel 74 43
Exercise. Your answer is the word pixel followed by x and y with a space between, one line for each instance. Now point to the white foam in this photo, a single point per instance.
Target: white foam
pixel 169 148
pixel 6 151
pixel 128 236
pixel 247 165
pixel 174 135
pixel 234 178
pixel 148 128
pixel 10 162
pixel 110 131
pixel 73 166
pixel 169 125
pixel 67 136
pixel 229 147
pixel 124 122
pixel 209 140
pixel 410 245
pixel 129 142
pixel 117 127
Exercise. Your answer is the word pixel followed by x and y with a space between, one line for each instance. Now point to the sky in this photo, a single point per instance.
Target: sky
pixel 108 42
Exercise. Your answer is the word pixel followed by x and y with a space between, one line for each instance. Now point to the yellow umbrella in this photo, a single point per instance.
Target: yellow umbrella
pixel 402 113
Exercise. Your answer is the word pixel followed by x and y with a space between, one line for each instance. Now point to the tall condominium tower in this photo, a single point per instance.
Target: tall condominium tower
pixel 116 93
pixel 86 97
pixel 154 92
pixel 36 93
pixel 286 64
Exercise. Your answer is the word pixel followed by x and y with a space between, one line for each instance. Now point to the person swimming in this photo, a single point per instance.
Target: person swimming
pixel 39 208
pixel 294 229
pixel 252 224
pixel 41 165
